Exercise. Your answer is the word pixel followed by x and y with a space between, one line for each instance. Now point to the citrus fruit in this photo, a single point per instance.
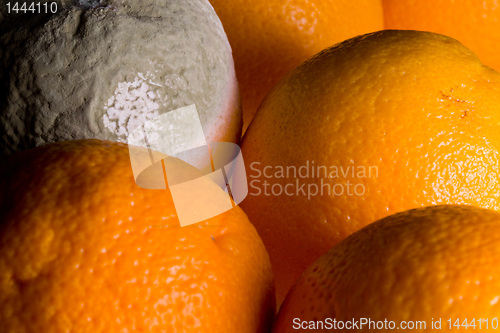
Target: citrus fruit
pixel 84 249
pixel 270 38
pixel 475 23
pixel 101 71
pixel 375 125
pixel 415 269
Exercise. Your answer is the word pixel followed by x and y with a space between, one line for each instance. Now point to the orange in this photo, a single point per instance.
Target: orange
pixel 270 38
pixel 475 23
pixel 165 55
pixel 84 249
pixel 413 269
pixel 387 121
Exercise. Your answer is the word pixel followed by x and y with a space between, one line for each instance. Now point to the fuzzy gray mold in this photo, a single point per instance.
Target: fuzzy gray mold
pixel 87 3
pixel 99 73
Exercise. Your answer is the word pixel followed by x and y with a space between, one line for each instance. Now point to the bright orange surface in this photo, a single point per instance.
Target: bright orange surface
pixel 475 23
pixel 417 109
pixel 270 38
pixel 420 265
pixel 83 249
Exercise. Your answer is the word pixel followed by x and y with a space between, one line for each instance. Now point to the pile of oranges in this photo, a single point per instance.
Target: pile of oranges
pixel 372 151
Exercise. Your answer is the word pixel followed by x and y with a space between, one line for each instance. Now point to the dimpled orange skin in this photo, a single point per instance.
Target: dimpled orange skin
pixel 270 38
pixel 475 23
pixel 417 108
pixel 83 249
pixel 429 263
